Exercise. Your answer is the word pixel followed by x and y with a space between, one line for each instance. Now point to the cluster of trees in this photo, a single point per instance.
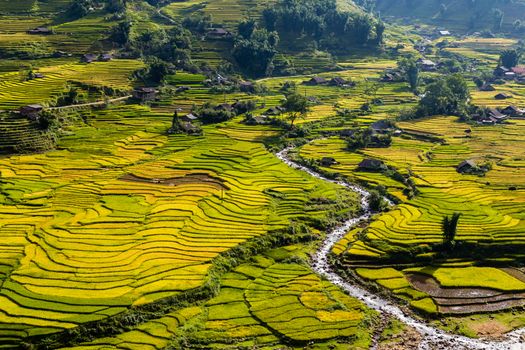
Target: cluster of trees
pixel 171 45
pixel 81 8
pixel 210 114
pixel 446 96
pixel 163 50
pixel 410 70
pixel 198 22
pixel 510 58
pixel 475 15
pixel 363 138
pixel 255 48
pixel 155 70
pixel 322 21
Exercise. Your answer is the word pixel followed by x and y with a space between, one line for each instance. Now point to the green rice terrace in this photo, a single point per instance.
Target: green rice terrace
pixel 277 174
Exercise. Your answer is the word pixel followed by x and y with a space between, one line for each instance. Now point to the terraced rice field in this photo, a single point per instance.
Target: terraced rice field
pixel 225 12
pixel 32 6
pixel 267 302
pixel 17 91
pixel 135 215
pixel 20 134
pixel 491 206
pixel 486 50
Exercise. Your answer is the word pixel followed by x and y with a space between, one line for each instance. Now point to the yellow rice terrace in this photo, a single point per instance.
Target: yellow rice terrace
pixel 274 174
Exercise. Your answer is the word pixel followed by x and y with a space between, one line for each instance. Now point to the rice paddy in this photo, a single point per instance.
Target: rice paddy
pixel 267 302
pixel 120 218
pixel 74 223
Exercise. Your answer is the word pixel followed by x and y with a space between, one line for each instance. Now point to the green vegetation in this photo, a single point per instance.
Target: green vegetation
pixel 480 15
pixel 510 58
pixel 446 96
pixel 450 227
pixel 165 221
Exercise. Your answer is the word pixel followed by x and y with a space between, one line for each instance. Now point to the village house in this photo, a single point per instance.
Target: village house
pixel 500 71
pixel 513 111
pixel 59 54
pixel 182 89
pixel 144 94
pixel 427 65
pixel 278 110
pixel 338 81
pixel 466 166
pixel 382 126
pixel 491 116
pixel 190 129
pixel 370 164
pixel 502 96
pixel 105 57
pixel 258 120
pixel 31 111
pixel 218 33
pixel 189 118
pixel 328 162
pixel 487 87
pixel 347 133
pixel 224 107
pixel 247 86
pixel 391 76
pixel 36 76
pixel 496 115
pixel 444 33
pixel 40 31
pixel 315 81
pixel 519 71
pixel 388 78
pixel 89 58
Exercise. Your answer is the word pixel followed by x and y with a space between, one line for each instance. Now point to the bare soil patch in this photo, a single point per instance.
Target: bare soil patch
pixel 196 178
pixel 465 300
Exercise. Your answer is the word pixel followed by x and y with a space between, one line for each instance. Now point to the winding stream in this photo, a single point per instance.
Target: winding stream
pixel 433 338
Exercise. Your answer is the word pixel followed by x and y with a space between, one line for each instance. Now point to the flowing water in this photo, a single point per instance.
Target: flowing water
pixel 433 338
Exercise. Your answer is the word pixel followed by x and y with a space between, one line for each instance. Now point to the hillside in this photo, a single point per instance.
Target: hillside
pixel 261 174
pixel 457 14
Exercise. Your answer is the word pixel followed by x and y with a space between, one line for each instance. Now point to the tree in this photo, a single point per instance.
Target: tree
pixel 116 6
pixel 156 71
pixel 497 16
pixel 445 96
pixel 246 28
pixel 443 10
pixel 410 69
pixel 360 27
pixel 297 106
pixel 510 58
pixel 380 31
pixel 120 33
pixel 518 26
pixel 322 23
pixel 377 202
pixel 255 55
pixel 450 226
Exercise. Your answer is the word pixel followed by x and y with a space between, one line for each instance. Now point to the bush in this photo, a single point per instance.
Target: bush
pixel 377 202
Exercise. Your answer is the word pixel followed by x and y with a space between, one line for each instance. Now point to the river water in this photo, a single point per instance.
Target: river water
pixel 433 338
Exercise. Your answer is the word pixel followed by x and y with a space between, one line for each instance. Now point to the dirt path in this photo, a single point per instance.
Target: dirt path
pixel 90 104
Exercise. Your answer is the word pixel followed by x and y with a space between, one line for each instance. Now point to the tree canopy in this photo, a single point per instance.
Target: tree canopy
pixel 297 106
pixel 323 22
pixel 446 96
pixel 510 58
